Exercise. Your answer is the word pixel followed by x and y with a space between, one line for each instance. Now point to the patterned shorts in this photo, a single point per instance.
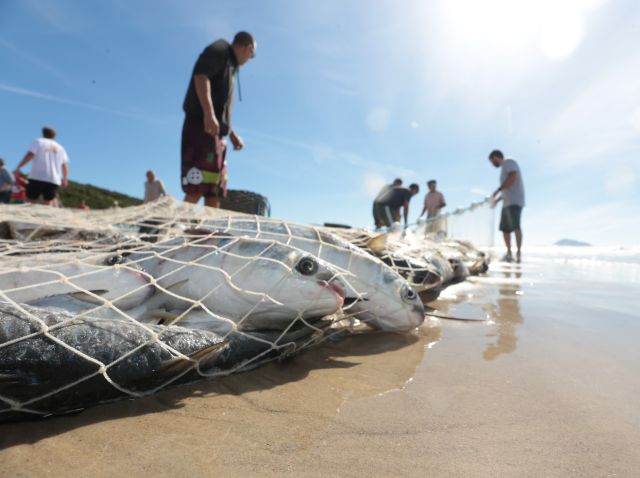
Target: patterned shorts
pixel 204 170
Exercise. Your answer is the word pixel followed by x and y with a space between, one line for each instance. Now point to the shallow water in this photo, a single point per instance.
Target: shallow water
pixel 546 385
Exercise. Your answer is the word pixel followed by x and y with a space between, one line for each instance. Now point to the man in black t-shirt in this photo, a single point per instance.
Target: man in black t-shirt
pixel 389 204
pixel 207 108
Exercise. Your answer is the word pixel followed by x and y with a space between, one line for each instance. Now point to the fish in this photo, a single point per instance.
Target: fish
pixel 254 283
pixel 419 271
pixel 93 279
pixel 375 294
pixel 54 363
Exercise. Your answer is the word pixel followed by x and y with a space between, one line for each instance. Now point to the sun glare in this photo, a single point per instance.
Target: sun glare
pixel 501 28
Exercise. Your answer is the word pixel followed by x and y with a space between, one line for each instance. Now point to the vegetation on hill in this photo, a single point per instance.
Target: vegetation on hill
pixel 94 197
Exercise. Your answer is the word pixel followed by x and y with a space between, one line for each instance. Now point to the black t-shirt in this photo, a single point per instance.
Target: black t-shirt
pixel 219 64
pixel 395 197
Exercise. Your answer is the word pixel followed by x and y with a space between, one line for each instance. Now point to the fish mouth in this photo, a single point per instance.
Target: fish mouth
pixel 336 287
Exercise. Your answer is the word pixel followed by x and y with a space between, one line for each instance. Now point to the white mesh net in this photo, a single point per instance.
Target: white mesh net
pixel 101 305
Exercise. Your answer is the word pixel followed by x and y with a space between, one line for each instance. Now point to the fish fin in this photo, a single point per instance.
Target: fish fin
pixel 378 243
pixel 86 297
pixel 204 357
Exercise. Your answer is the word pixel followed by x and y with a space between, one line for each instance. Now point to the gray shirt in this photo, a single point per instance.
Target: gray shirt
pixel 514 195
pixel 153 191
pixel 6 179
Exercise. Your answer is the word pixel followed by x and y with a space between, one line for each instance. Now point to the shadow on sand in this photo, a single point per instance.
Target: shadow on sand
pixel 331 355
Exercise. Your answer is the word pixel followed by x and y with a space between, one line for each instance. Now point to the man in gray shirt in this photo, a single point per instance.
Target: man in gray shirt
pixel 512 190
pixel 153 188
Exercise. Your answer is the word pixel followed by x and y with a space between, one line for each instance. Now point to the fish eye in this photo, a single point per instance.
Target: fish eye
pixel 113 260
pixel 408 294
pixel 307 266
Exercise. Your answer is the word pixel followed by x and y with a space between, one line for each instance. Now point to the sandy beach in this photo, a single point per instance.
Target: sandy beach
pixel 547 385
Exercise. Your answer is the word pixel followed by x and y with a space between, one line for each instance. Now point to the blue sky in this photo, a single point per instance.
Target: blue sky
pixel 343 96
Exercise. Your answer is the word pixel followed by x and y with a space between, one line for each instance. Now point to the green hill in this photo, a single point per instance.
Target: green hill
pixel 93 196
pixel 99 198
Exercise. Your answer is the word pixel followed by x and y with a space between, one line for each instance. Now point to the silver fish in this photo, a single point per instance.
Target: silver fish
pixel 375 294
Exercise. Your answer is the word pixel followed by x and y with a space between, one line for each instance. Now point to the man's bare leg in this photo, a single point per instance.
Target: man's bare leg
pixel 507 242
pixel 192 197
pixel 211 201
pixel 518 244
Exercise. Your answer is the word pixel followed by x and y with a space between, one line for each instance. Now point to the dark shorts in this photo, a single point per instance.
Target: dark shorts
pixel 5 196
pixel 36 188
pixel 510 218
pixel 384 215
pixel 204 170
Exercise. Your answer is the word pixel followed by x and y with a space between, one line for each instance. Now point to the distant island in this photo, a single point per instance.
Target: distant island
pixel 571 242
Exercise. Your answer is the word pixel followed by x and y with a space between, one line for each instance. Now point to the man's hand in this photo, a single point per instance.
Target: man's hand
pixel 236 140
pixel 211 125
pixel 64 183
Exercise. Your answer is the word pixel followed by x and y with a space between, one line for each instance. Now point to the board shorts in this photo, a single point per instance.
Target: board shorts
pixel 510 218
pixel 36 188
pixel 383 214
pixel 203 165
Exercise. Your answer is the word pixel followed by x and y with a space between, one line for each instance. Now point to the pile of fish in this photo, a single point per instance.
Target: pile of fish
pixel 122 317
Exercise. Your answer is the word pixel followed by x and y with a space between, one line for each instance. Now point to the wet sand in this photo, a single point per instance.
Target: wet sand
pixel 548 385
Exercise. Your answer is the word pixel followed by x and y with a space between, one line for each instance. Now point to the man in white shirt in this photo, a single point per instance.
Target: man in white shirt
pixel 153 188
pixel 49 169
pixel 511 192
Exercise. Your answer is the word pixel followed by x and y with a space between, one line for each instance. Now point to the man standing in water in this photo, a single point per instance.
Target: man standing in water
pixel 512 190
pixel 207 108
pixel 49 169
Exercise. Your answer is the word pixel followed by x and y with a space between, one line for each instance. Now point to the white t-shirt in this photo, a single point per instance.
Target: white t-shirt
pixel 48 160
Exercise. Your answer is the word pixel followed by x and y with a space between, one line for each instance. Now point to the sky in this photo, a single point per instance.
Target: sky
pixel 343 96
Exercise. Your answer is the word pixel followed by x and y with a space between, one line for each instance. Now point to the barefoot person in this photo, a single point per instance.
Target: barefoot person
pixel 49 169
pixel 511 193
pixel 207 108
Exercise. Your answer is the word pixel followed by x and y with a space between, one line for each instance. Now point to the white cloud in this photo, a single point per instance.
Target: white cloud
pixel 414 124
pixel 44 96
pixel 373 183
pixel 378 119
pixel 561 34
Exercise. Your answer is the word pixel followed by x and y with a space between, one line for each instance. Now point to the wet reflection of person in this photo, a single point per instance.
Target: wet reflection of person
pixel 507 317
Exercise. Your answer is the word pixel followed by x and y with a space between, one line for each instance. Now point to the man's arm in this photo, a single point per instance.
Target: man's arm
pixel 162 191
pixel 406 212
pixel 508 182
pixel 203 91
pixel 442 203
pixel 27 157
pixel 65 175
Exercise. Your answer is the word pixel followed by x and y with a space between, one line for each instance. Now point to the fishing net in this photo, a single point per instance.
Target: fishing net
pixel 102 305
pixel 99 305
pixel 435 252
